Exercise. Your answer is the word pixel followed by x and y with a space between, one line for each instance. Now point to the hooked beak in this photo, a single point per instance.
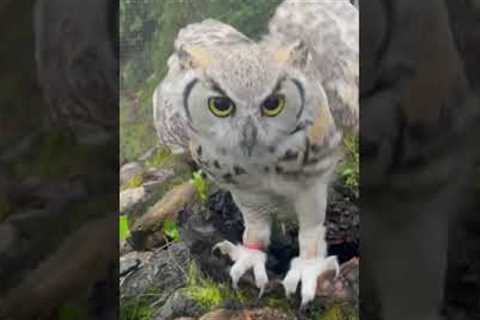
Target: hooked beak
pixel 249 137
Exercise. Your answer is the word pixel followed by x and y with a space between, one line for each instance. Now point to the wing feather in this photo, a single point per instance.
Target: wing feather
pixel 330 28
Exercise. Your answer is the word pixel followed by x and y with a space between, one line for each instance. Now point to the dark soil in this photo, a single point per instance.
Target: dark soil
pixel 221 219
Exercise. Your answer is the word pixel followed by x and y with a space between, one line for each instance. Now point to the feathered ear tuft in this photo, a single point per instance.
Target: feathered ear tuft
pixel 295 54
pixel 193 58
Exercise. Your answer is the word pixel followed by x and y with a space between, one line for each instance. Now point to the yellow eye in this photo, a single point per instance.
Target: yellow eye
pixel 221 106
pixel 273 105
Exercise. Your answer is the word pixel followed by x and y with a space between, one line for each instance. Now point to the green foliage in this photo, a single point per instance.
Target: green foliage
pixel 136 309
pixel 160 159
pixel 72 312
pixel 124 231
pixel 207 293
pixel 200 184
pixel 210 294
pixel 349 170
pixel 170 230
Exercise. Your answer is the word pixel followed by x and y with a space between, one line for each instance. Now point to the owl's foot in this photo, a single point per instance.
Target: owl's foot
pixel 245 259
pixel 308 271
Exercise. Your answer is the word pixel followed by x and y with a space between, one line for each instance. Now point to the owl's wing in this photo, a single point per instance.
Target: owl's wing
pixel 168 112
pixel 330 29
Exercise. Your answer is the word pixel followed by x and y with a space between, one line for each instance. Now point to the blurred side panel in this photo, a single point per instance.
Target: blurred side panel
pixel 58 159
pixel 419 160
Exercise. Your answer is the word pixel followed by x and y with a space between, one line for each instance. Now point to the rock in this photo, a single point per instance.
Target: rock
pixel 130 197
pixel 179 304
pixel 156 177
pixel 9 236
pixel 161 271
pixel 167 208
pixel 125 247
pixel 148 154
pixel 130 170
pixel 254 314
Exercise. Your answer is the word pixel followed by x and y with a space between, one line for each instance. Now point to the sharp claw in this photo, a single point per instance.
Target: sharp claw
pixel 332 262
pixel 225 247
pixel 260 294
pixel 307 272
pixel 244 260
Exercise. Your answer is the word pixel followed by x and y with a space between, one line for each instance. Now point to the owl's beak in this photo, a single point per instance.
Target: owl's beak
pixel 249 137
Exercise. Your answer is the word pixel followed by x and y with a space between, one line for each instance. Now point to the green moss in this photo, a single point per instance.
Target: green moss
pixel 201 185
pixel 337 312
pixel 134 182
pixel 136 309
pixel 170 230
pixel 208 293
pixel 160 159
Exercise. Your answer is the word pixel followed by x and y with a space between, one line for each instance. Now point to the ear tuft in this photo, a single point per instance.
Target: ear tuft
pixel 193 57
pixel 295 54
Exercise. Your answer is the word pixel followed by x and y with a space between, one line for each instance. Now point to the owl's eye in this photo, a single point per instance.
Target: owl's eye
pixel 221 106
pixel 273 105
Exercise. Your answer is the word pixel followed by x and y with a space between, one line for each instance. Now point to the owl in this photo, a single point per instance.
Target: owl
pixel 264 119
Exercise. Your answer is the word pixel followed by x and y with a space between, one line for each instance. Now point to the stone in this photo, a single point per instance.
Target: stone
pixel 179 304
pixel 130 170
pixel 161 271
pixel 130 197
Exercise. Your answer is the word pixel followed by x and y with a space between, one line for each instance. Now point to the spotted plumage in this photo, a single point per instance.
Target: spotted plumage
pixel 265 120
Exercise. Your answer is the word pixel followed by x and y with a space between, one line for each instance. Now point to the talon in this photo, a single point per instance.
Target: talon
pixel 225 247
pixel 307 271
pixel 245 259
pixel 260 294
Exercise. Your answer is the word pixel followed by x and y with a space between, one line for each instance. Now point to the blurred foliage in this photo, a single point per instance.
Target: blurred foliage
pixel 349 169
pixel 148 29
pixel 134 182
pixel 201 185
pixel 208 293
pixel 136 309
pixel 170 230
pixel 72 312
pixel 124 232
pixel 160 159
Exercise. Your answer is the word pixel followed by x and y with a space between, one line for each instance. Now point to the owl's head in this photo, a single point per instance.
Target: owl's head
pixel 248 98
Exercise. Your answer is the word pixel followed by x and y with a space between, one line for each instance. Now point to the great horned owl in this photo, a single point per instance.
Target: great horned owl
pixel 264 120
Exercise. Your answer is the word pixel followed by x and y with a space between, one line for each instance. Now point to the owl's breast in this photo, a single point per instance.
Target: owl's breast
pixel 283 171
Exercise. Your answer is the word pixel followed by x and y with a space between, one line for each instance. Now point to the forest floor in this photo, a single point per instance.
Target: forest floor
pixel 168 270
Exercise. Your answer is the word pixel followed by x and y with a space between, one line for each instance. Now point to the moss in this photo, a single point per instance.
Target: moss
pixel 141 307
pixel 134 182
pixel 337 311
pixel 204 291
pixel 160 159
pixel 136 309
pixel 208 293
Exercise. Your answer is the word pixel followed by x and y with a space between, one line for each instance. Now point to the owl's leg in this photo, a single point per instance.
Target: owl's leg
pixel 256 238
pixel 313 260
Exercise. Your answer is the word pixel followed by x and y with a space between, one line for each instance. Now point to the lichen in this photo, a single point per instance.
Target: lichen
pixel 134 182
